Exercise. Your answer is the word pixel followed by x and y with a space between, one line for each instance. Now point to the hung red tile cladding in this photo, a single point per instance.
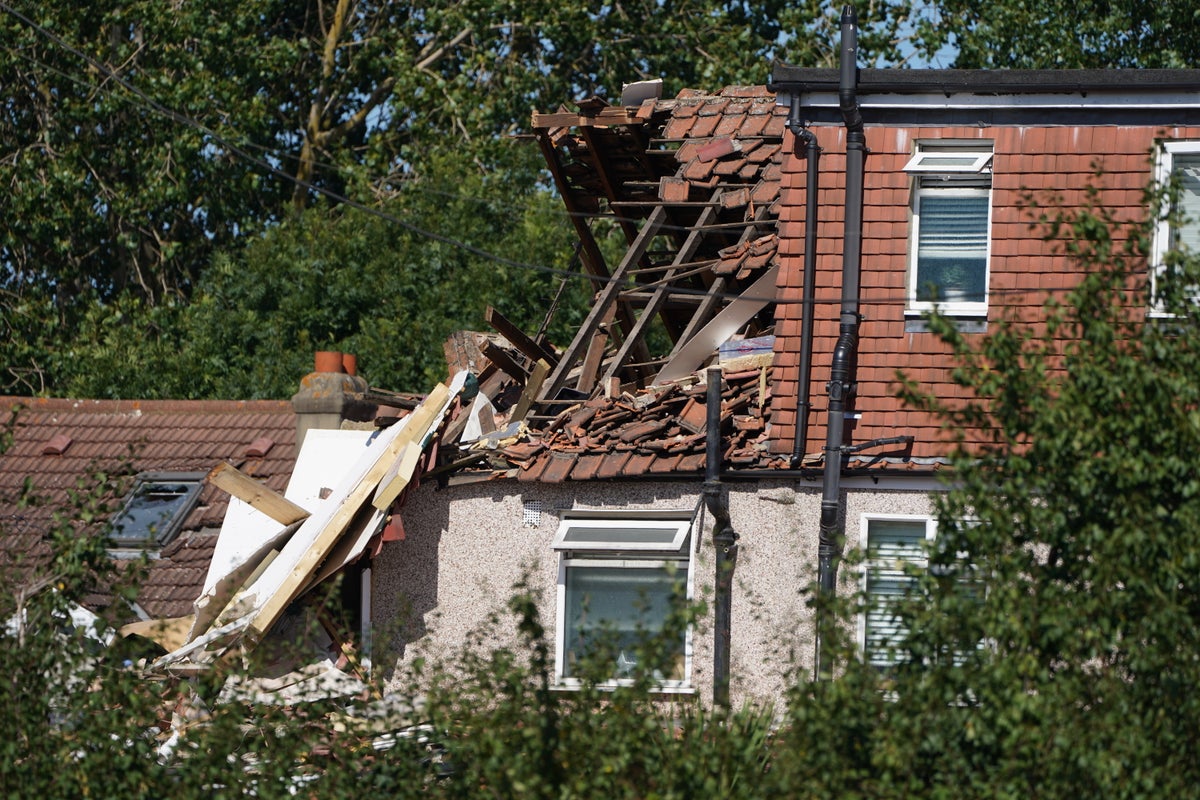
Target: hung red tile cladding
pixel 1032 163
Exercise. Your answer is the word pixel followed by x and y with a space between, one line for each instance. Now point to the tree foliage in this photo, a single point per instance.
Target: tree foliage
pixel 142 140
pixel 350 280
pixel 1051 645
pixel 1053 34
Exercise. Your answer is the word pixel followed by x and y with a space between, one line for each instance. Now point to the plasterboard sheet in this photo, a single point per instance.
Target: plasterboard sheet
pixel 720 328
pixel 323 459
pixel 272 578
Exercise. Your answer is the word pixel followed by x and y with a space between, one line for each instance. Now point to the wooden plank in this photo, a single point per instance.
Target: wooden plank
pixel 595 355
pixel 399 473
pixel 723 325
pixel 593 259
pixel 686 251
pixel 616 115
pixel 229 478
pixel 504 362
pixel 603 303
pixel 540 370
pixel 318 543
pixel 520 340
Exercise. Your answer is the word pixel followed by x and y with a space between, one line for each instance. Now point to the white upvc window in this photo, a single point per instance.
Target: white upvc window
pixel 1177 166
pixel 951 227
pixel 620 578
pixel 897 548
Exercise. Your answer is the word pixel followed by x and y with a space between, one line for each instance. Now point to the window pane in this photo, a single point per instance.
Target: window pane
pixel 612 537
pixel 892 547
pixel 618 607
pixel 952 245
pixel 1187 170
pixel 150 512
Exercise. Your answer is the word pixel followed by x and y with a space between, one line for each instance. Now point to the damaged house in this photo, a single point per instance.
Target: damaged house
pixel 727 408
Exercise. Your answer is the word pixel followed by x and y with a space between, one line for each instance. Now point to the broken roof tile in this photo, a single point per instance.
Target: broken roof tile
pixel 698 170
pixel 730 124
pixel 714 106
pixel 612 464
pixel 638 464
pixel 678 127
pixel 753 124
pixel 755 91
pixel 718 148
pixel 558 467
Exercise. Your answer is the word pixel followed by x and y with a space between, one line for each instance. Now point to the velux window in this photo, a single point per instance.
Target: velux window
pixel 621 579
pixel 1177 170
pixel 154 511
pixel 951 225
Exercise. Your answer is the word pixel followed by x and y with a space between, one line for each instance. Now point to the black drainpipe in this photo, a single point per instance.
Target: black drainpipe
pixel 842 378
pixel 724 540
pixel 808 295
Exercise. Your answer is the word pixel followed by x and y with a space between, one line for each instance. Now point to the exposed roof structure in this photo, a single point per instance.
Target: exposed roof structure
pixel 693 186
pixel 57 443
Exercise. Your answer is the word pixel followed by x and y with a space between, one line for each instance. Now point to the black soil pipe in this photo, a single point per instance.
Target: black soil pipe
pixel 724 541
pixel 808 295
pixel 841 382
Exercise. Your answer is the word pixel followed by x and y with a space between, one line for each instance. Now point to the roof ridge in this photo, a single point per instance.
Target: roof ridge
pixel 109 406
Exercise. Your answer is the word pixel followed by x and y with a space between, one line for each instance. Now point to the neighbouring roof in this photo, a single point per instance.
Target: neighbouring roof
pixel 57 443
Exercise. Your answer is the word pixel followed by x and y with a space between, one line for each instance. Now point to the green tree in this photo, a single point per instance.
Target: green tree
pixel 1051 643
pixel 337 278
pixel 1054 34
pixel 141 139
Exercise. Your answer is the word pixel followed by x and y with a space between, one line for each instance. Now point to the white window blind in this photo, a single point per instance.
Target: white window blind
pixel 895 548
pixel 952 245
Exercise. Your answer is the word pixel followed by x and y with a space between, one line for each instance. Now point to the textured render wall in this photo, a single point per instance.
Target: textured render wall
pixel 466 548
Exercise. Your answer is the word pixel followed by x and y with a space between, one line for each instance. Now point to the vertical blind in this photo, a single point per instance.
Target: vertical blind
pixel 1187 170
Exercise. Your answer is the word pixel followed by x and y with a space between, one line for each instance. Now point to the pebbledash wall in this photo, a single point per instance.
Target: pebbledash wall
pixel 467 547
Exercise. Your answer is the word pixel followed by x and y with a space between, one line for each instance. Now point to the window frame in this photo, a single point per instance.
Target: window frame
pixel 623 555
pixel 931 179
pixel 126 546
pixel 1162 240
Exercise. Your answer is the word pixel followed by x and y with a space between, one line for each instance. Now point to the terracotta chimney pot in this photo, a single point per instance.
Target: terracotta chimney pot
pixel 328 361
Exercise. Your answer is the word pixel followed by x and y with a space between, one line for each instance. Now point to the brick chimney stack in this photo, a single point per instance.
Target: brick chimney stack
pixel 331 394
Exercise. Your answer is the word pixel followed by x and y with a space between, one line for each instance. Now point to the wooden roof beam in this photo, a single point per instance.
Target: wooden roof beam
pixel 603 304
pixel 686 251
